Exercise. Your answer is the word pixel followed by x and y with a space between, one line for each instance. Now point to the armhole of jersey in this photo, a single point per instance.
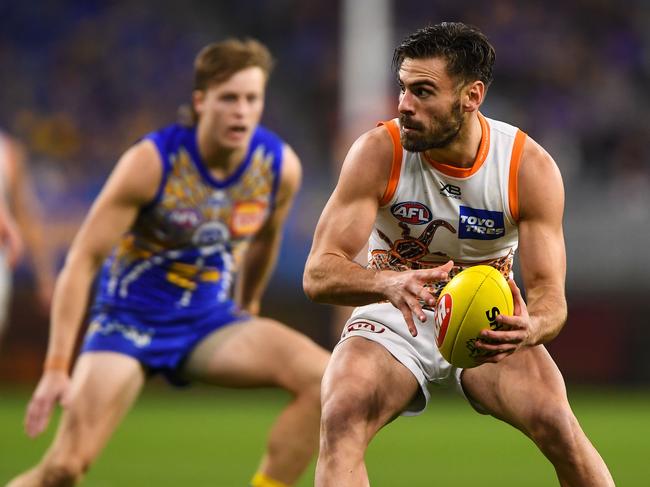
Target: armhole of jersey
pixel 166 167
pixel 513 184
pixel 396 165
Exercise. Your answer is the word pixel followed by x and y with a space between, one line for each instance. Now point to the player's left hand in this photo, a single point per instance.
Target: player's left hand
pixel 53 388
pixel 516 331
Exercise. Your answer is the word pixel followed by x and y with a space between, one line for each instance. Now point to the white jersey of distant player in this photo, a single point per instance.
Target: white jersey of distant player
pixel 5 271
pixel 432 212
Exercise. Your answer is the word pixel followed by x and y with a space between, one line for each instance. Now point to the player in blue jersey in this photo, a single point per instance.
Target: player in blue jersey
pixel 184 236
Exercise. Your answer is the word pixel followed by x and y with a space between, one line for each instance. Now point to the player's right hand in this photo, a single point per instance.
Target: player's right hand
pixel 405 290
pixel 52 389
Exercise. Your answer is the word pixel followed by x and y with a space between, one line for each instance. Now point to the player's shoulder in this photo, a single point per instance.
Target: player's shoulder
pixel 264 133
pixel 169 137
pixel 534 158
pixel 264 136
pixel 536 162
pixel 377 146
pixel 501 128
pixel 541 190
pixel 369 162
pixel 11 145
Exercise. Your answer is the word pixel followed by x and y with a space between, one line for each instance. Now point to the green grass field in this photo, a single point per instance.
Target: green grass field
pixel 204 437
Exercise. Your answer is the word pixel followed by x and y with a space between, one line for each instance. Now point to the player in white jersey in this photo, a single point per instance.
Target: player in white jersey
pixel 20 226
pixel 440 189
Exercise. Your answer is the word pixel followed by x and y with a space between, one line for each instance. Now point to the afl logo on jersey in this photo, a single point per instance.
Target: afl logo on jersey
pixel 186 218
pixel 411 212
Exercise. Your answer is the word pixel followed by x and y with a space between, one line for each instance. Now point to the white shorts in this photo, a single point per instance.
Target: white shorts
pixel 384 324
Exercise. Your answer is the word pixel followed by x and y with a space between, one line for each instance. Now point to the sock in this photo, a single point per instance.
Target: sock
pixel 262 480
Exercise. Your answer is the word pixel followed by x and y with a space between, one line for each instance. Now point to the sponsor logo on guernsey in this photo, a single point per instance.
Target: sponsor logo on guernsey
pixel 411 212
pixel 449 190
pixel 247 217
pixel 480 224
pixel 363 326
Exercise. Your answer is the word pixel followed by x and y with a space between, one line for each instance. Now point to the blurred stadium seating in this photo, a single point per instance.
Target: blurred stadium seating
pixel 81 80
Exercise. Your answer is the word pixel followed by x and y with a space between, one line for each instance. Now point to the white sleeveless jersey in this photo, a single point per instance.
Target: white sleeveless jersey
pixel 432 212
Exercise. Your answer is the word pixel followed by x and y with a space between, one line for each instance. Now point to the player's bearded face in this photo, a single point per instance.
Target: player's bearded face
pixel 436 133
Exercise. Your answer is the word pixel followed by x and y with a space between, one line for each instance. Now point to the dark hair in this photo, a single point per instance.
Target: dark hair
pixel 218 61
pixel 467 51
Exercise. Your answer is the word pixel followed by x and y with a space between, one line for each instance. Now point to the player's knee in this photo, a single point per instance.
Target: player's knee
pixel 342 419
pixel 554 429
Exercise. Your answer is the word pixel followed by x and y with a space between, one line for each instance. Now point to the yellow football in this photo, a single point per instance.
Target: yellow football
pixel 468 304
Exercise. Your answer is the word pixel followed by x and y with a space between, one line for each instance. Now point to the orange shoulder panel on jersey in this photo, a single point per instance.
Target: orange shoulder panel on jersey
pixel 513 186
pixel 396 165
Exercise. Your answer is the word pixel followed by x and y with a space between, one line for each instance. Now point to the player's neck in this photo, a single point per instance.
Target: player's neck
pixel 221 161
pixel 462 151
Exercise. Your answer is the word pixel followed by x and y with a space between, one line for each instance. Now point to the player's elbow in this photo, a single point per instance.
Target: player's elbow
pixel 312 282
pixel 555 323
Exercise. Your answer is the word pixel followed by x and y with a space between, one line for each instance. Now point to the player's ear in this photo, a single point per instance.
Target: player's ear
pixel 198 101
pixel 472 95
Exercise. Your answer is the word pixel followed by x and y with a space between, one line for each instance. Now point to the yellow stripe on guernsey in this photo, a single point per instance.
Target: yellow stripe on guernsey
pixel 261 480
pixel 186 275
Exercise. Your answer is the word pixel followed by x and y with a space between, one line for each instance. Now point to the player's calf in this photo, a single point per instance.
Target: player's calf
pixel 557 433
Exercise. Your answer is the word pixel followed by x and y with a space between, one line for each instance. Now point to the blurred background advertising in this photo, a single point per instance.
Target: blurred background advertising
pixel 80 81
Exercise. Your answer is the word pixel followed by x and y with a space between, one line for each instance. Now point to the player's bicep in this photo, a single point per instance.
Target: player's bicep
pixel 132 184
pixel 541 238
pixel 345 223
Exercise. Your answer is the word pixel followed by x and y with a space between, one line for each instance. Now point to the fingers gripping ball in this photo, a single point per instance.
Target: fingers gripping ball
pixel 468 304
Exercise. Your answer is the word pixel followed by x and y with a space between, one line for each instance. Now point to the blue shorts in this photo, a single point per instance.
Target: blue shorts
pixel 160 345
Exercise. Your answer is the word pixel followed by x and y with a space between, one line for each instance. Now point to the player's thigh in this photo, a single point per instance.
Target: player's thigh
pixel 104 387
pixel 364 380
pixel 518 388
pixel 257 352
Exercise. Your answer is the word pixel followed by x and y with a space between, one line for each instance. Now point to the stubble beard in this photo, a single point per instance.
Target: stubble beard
pixel 445 132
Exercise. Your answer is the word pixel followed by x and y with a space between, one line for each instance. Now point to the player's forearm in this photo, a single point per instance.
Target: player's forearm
pixel 334 279
pixel 548 311
pixel 71 296
pixel 255 273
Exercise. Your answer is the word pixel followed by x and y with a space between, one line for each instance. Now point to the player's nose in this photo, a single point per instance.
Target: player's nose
pixel 405 104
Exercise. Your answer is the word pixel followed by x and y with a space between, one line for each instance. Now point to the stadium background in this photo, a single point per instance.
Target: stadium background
pixel 82 80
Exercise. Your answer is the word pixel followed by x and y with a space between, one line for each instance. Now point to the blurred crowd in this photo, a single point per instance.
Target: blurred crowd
pixel 82 80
